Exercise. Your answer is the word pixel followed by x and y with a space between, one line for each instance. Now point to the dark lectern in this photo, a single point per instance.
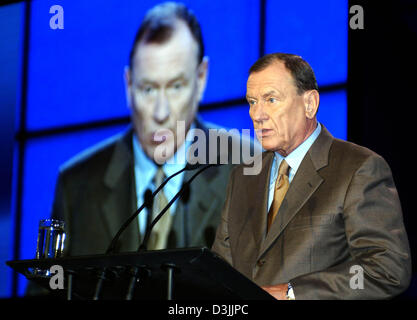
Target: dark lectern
pixel 195 273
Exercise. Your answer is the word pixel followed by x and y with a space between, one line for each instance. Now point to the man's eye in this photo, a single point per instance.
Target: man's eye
pixel 147 89
pixel 272 100
pixel 177 85
pixel 252 102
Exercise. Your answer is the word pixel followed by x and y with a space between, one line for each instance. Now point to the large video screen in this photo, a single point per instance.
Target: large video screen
pixel 75 77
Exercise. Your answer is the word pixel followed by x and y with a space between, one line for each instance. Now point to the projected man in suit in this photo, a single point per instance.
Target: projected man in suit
pixel 98 190
pixel 323 219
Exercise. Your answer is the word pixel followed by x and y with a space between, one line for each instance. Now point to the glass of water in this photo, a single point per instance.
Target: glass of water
pixel 51 237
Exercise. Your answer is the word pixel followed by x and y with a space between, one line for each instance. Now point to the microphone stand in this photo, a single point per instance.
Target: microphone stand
pixel 170 267
pixel 134 271
pixel 112 245
pixel 110 249
pixel 142 247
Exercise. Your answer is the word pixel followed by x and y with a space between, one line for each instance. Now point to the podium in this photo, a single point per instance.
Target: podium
pixel 179 274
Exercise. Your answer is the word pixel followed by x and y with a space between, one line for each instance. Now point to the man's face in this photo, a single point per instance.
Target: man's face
pixel 165 86
pixel 280 116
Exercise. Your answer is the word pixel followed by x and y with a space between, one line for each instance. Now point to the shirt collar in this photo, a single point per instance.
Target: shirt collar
pixel 145 168
pixel 295 158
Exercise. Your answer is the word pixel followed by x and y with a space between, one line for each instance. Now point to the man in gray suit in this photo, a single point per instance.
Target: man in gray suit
pixel 323 218
pixel 99 189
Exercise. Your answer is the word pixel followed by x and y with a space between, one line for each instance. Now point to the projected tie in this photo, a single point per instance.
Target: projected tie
pixel 281 186
pixel 159 235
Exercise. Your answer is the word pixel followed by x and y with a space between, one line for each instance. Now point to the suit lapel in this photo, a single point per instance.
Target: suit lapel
pixel 120 199
pixel 302 187
pixel 258 192
pixel 247 220
pixel 305 183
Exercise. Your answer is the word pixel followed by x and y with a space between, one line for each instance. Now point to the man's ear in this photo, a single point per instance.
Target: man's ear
pixel 128 85
pixel 311 103
pixel 202 75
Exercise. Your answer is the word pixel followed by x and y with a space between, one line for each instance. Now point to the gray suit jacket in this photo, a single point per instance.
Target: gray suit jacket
pixel 96 193
pixel 341 210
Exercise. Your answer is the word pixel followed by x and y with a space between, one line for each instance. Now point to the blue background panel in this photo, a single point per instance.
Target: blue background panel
pixel 316 30
pixel 76 74
pixel 42 159
pixel 236 117
pixel 333 113
pixel 11 17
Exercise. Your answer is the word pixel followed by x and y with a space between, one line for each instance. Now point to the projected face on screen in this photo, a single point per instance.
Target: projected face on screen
pixel 165 85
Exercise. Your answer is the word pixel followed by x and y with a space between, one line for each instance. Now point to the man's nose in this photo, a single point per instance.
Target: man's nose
pixel 162 108
pixel 257 113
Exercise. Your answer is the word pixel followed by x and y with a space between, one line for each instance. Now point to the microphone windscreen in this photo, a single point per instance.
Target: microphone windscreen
pixel 209 235
pixel 190 166
pixel 186 193
pixel 148 199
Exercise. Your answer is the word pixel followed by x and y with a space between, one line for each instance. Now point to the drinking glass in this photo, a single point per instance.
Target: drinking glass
pixel 51 237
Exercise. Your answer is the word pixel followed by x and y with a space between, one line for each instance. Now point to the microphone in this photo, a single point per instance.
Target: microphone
pixel 209 235
pixel 188 167
pixel 142 247
pixel 186 194
pixel 111 247
pixel 148 201
pixel 185 198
